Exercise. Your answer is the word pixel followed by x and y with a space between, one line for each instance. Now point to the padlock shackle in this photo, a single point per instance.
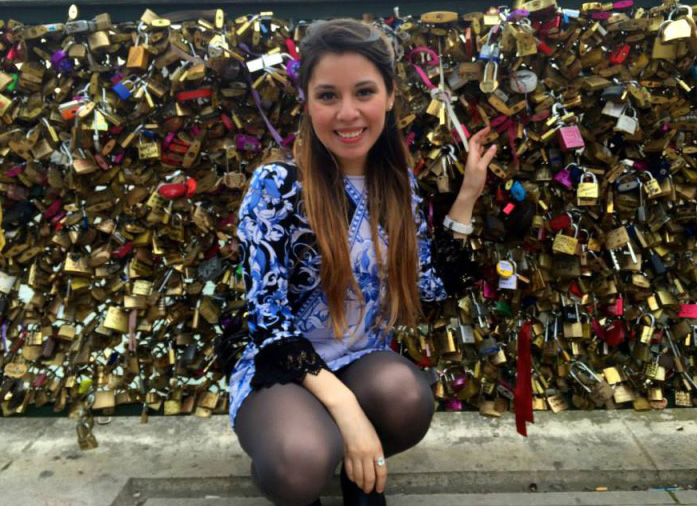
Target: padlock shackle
pixel 651 317
pixel 677 8
pixel 591 374
pixel 588 173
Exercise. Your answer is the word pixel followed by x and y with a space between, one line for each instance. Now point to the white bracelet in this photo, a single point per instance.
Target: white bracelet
pixel 456 226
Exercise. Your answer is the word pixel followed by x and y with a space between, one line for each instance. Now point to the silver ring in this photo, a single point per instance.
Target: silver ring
pixel 380 461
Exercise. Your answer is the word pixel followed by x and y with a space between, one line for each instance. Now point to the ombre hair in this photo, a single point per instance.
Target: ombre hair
pixel 387 183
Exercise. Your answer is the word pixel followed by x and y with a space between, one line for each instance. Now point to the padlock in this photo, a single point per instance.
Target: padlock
pixel 600 392
pixel 566 244
pixel 508 277
pixel 516 189
pixel 122 89
pixel 645 332
pixel 627 124
pixel 587 193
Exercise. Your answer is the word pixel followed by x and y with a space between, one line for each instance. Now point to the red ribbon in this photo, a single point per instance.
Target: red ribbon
pixel 503 123
pixel 523 388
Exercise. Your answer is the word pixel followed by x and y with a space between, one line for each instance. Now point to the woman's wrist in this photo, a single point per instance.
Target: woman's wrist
pixel 461 210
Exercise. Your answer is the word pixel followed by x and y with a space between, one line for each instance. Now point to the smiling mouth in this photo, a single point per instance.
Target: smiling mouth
pixel 350 135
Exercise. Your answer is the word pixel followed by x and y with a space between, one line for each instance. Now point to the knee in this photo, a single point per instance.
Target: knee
pixel 296 473
pixel 409 402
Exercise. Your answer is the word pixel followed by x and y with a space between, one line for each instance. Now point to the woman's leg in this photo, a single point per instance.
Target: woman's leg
pixel 293 441
pixel 395 396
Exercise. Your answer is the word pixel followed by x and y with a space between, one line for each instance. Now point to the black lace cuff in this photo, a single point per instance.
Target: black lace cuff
pixel 451 260
pixel 286 361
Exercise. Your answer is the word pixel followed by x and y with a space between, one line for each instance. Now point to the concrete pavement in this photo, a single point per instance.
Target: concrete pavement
pixel 187 460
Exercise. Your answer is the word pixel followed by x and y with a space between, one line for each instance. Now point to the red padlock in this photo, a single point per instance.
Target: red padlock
pixel 212 251
pixel 598 329
pixel 615 334
pixel 544 48
pixel 617 308
pixel 227 121
pixel 501 196
pixel 122 251
pixel 560 222
pixel 53 208
pixel 575 289
pixel 619 54
pixel 176 190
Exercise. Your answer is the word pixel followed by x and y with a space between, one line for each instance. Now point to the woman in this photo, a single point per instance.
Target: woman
pixel 347 190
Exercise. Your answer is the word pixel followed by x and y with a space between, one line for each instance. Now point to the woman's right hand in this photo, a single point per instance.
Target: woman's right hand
pixel 362 448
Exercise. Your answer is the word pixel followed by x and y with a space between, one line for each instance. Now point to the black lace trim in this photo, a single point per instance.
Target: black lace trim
pixel 286 361
pixel 452 261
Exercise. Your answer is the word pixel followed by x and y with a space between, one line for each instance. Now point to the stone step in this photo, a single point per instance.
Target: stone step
pixel 638 498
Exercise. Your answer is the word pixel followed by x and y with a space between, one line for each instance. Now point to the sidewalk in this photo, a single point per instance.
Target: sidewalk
pixel 177 461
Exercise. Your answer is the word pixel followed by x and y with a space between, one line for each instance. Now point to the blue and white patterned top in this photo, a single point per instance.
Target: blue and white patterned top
pixel 284 297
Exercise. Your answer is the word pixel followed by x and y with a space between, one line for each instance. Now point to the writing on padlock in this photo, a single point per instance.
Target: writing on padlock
pixel 508 278
pixel 587 192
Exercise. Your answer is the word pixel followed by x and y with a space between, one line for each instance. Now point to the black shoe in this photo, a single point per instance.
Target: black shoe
pixel 354 495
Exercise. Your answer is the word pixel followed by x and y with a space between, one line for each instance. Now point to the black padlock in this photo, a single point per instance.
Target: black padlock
pixel 494 229
pixel 613 92
pixel 520 220
pixel 189 354
pixel 657 264
pixel 18 215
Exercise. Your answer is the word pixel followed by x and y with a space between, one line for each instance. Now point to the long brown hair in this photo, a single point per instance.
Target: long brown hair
pixel 387 182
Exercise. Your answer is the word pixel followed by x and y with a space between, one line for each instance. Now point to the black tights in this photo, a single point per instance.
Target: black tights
pixel 294 443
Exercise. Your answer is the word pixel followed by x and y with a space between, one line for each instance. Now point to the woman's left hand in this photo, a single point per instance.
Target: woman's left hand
pixel 478 160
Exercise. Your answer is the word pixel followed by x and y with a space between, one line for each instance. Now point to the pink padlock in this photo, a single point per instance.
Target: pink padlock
pixel 488 291
pixel 570 138
pixel 688 311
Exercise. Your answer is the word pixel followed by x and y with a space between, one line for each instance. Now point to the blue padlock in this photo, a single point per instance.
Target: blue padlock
pixel 148 134
pixel 122 90
pixel 576 173
pixel 517 190
pixel 693 72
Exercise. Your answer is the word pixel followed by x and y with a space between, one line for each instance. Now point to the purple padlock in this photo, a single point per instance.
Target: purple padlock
pixel 459 382
pixel 641 165
pixel 248 143
pixel 61 62
pixel 453 405
pixel 563 177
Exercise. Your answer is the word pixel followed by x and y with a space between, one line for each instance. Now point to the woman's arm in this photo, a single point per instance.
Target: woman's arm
pixel 461 211
pixel 332 392
pixel 265 221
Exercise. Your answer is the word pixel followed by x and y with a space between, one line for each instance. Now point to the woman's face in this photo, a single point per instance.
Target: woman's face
pixel 347 95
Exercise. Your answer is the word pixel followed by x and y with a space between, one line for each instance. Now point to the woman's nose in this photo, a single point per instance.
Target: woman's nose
pixel 348 109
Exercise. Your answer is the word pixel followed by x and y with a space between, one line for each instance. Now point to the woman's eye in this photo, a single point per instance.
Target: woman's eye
pixel 321 97
pixel 368 90
pixel 328 94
